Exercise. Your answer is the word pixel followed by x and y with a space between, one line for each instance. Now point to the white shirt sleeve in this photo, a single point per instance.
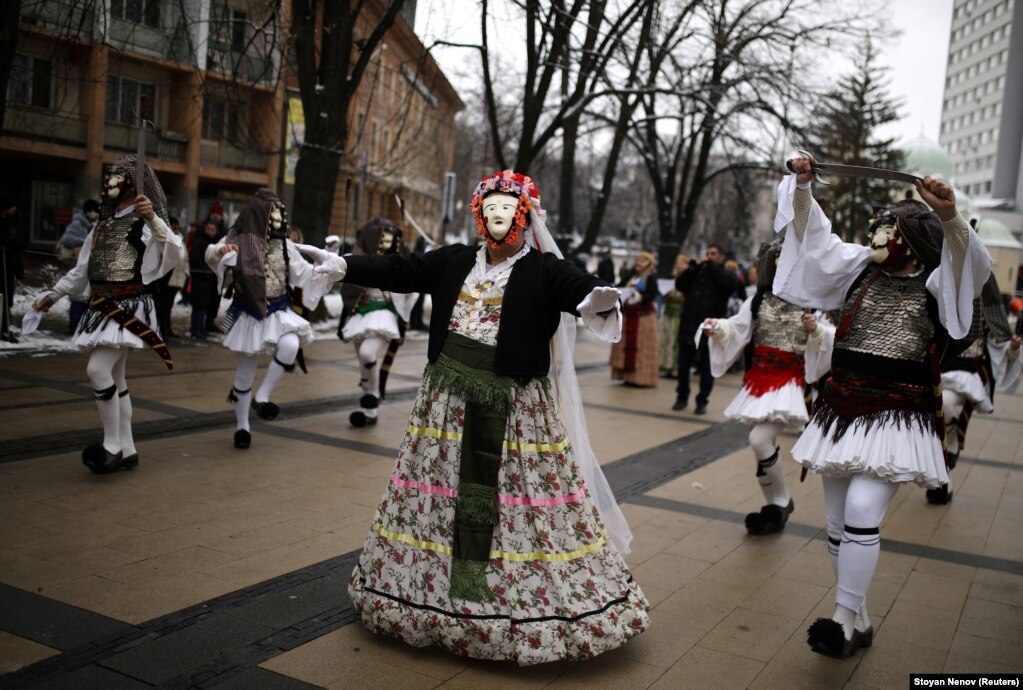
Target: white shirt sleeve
pixel 955 297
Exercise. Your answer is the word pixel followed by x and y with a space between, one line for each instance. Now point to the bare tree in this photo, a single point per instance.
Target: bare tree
pixel 331 58
pixel 9 13
pixel 724 96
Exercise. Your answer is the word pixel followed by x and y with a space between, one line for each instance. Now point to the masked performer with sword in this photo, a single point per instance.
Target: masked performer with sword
pixel 130 248
pixel 907 302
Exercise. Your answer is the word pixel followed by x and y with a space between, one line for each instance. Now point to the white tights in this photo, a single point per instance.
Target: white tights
pixel 106 372
pixel 763 438
pixel 854 507
pixel 952 404
pixel 245 374
pixel 370 352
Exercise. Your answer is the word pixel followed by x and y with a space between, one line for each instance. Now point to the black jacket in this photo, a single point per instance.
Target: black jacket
pixel 707 288
pixel 540 287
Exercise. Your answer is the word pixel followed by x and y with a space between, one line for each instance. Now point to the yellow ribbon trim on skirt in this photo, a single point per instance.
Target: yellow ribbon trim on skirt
pixel 513 446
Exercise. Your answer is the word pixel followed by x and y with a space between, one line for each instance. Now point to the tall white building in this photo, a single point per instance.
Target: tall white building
pixel 982 113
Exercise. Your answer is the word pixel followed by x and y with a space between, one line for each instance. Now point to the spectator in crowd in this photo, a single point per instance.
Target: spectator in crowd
pixel 216 217
pixel 706 285
pixel 634 359
pixel 671 318
pixel 751 281
pixel 170 285
pixel 68 247
pixel 10 261
pixel 204 281
pixel 606 267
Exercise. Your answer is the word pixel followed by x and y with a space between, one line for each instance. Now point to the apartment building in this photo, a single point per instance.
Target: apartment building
pixel 215 74
pixel 982 113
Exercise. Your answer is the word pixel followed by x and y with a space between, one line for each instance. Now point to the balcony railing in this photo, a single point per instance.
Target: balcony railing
pixel 67 17
pixel 166 146
pixel 140 37
pixel 45 125
pixel 225 155
pixel 253 68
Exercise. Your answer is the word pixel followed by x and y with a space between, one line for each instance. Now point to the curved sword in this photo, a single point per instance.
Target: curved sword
pixel 854 171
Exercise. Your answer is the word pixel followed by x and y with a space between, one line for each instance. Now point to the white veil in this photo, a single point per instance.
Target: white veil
pixel 566 386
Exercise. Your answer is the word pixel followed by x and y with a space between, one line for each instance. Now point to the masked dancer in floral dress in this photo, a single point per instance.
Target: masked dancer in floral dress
pixel 498 537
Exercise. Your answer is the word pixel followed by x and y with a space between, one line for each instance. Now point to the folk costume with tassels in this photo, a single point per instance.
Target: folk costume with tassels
pixel 270 282
pixel 119 263
pixel 498 537
pixel 782 360
pixel 906 300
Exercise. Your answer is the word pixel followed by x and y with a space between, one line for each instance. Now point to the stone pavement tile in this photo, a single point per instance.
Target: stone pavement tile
pixel 44 574
pixel 992 620
pixel 668 571
pixel 92 677
pixel 812 565
pixel 139 602
pixel 710 543
pixel 917 624
pixel 287 607
pixel 992 585
pixel 887 666
pixel 48 622
pixel 353 653
pixel 706 669
pixel 255 541
pixel 260 679
pixel 152 544
pixel 178 652
pixel 87 535
pixel 751 634
pixel 966 664
pixel 655 596
pixel 925 590
pixel 269 564
pixel 785 597
pixel 177 563
pixel 503 675
pixel 1003 652
pixel 17 652
pixel 954 571
pixel 795 667
pixel 609 671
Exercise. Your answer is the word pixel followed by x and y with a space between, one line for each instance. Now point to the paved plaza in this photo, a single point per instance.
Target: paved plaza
pixel 214 567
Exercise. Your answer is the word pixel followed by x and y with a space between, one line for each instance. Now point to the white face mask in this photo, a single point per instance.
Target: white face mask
pixel 114 185
pixel 879 243
pixel 91 215
pixel 499 213
pixel 386 242
pixel 276 218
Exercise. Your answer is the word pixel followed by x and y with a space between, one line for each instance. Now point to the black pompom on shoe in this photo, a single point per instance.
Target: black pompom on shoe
pixel 129 463
pixel 242 439
pixel 939 497
pixel 266 410
pixel 770 520
pixel 99 460
pixel 827 637
pixel 359 419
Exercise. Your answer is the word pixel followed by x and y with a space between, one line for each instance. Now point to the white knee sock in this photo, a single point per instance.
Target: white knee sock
pixel 283 361
pixel 127 441
pixel 100 369
pixel 371 352
pixel 244 375
pixel 865 505
pixel 770 471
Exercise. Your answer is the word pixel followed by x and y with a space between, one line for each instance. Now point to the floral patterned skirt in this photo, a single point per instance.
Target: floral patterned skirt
pixel 561 589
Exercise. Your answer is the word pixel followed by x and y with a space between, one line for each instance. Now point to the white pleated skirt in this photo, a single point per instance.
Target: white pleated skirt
pixel 785 405
pixel 381 323
pixel 969 385
pixel 252 336
pixel 112 334
pixel 890 451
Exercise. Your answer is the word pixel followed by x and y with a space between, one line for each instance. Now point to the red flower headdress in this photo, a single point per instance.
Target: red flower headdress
pixel 505 182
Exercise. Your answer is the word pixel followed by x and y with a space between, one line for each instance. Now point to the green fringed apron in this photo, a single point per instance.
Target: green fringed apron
pixel 465 368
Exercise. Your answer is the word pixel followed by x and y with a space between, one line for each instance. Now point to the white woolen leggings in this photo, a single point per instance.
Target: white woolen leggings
pixel 854 507
pixel 763 439
pixel 106 368
pixel 245 374
pixel 952 404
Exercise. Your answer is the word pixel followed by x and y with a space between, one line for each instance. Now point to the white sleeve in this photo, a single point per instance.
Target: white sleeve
pixel 301 274
pixel 403 303
pixel 163 250
pixel 75 283
pixel 726 347
pixel 819 347
pixel 818 268
pixel 1005 366
pixel 958 280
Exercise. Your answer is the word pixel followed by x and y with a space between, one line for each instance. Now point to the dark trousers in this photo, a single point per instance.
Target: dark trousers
pixel 164 305
pixel 688 354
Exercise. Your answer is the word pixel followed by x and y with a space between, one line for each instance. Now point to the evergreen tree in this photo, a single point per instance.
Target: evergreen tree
pixel 844 130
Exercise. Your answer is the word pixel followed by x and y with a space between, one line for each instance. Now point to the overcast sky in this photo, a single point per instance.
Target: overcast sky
pixel 916 61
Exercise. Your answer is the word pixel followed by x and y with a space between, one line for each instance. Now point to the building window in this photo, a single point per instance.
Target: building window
pixel 31 81
pixel 123 100
pixel 220 120
pixel 138 11
pixel 239 21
